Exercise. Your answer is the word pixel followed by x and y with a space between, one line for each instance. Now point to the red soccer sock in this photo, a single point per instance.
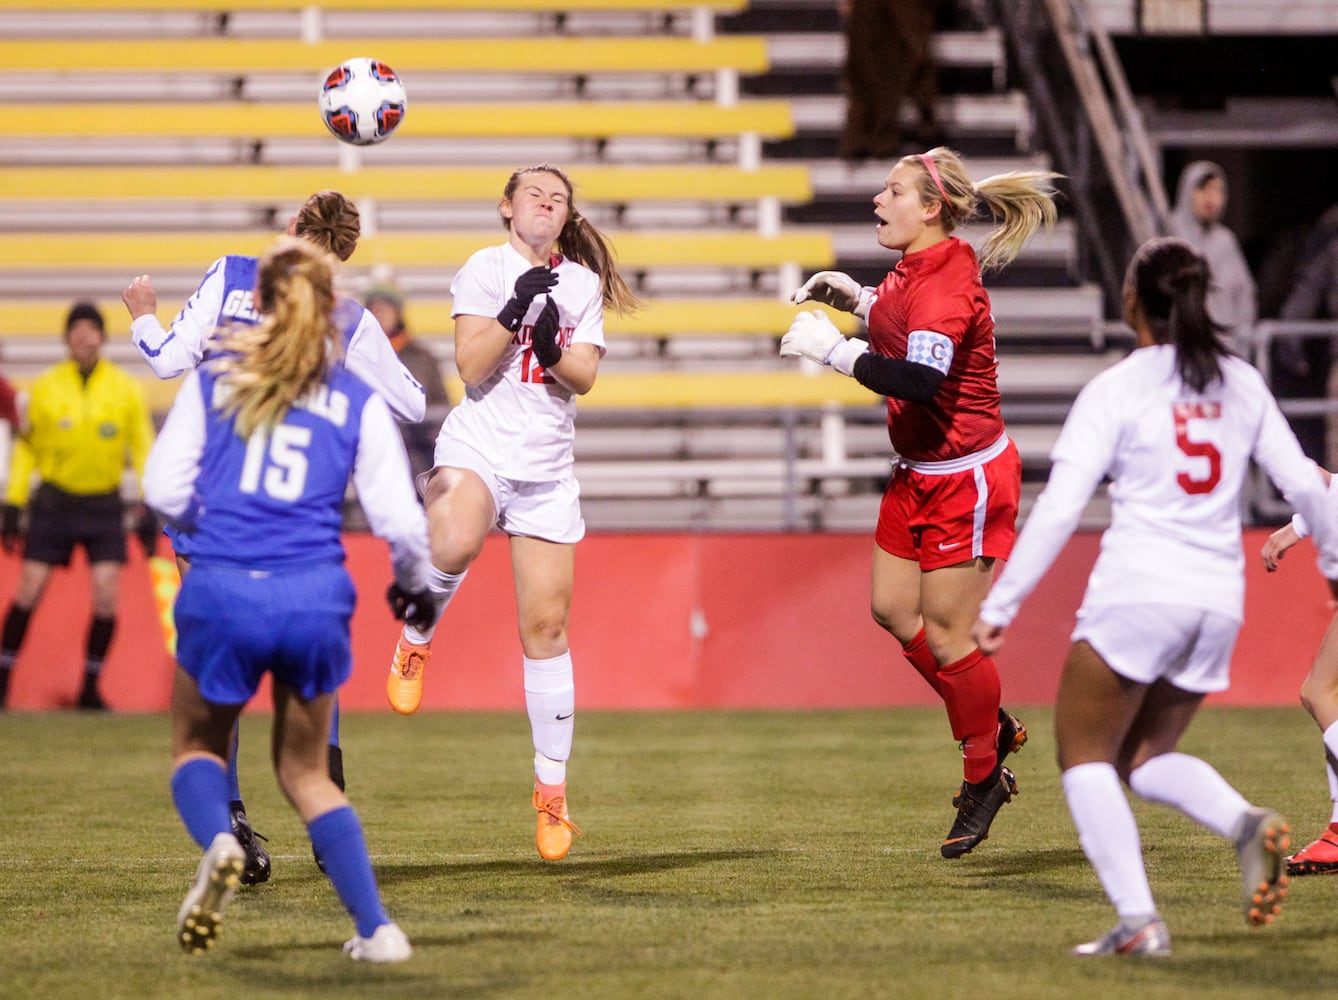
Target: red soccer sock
pixel 971 692
pixel 917 651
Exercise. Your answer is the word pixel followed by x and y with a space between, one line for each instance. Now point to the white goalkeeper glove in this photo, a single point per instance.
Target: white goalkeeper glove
pixel 840 291
pixel 812 335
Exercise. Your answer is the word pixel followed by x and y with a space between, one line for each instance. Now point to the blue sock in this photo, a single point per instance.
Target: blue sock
pixel 234 790
pixel 337 838
pixel 200 792
pixel 334 724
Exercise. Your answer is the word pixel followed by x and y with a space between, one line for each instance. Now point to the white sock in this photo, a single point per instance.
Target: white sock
pixel 1330 755
pixel 443 587
pixel 1194 787
pixel 550 699
pixel 1109 837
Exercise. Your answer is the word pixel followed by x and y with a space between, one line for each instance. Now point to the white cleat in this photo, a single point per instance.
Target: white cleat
pixel 216 880
pixel 387 944
pixel 1149 940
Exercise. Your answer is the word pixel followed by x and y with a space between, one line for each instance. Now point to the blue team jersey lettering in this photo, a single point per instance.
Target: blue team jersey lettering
pixel 326 402
pixel 275 500
pixel 239 307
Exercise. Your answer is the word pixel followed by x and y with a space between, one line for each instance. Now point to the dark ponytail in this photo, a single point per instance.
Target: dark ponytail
pixel 1170 280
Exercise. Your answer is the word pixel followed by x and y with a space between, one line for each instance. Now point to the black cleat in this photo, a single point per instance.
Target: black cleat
pixel 257 867
pixel 977 805
pixel 1012 735
pixel 91 701
pixel 1012 738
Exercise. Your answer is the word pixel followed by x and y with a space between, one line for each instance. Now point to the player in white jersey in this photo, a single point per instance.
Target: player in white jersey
pixel 225 297
pixel 1319 695
pixel 529 336
pixel 1174 427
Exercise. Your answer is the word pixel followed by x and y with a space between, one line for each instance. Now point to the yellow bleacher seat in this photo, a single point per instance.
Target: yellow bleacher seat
pixel 667 390
pixel 687 317
pixel 253 121
pixel 720 6
pixel 247 182
pixel 671 390
pixel 407 55
pixel 146 252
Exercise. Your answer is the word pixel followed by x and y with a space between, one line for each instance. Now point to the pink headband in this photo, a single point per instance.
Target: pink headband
pixel 928 161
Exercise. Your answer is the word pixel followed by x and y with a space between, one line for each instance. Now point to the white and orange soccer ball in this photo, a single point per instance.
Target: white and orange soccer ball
pixel 362 101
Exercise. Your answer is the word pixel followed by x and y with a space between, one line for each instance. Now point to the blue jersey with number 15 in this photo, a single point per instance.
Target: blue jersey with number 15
pixel 276 500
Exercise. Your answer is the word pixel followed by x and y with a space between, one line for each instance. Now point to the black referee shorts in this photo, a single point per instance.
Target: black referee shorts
pixel 58 521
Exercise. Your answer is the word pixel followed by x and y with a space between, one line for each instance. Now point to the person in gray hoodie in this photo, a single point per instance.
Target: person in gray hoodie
pixel 1197 219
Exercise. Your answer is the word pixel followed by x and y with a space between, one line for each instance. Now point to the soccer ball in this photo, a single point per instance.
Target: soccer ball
pixel 362 101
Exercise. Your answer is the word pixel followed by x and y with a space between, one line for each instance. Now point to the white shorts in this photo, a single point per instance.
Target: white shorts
pixel 1182 645
pixel 547 510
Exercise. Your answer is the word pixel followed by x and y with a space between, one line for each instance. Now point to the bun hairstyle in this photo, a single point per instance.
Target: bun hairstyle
pixel 1169 281
pixel 269 366
pixel 331 221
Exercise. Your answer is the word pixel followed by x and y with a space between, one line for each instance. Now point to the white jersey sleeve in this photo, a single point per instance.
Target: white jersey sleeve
pixel 372 358
pixel 385 489
pixel 174 461
pixel 1299 480
pixel 1081 457
pixel 181 346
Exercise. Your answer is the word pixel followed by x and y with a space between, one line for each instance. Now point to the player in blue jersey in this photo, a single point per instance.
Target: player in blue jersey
pixel 253 461
pixel 226 295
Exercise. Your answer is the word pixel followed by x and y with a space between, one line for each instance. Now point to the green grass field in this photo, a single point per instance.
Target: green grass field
pixel 725 855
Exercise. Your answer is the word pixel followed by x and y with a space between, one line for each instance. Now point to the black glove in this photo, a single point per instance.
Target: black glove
pixel 416 608
pixel 147 530
pixel 11 535
pixel 547 351
pixel 535 281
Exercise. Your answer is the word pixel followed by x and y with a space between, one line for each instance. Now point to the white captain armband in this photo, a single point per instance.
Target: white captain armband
pixel 933 350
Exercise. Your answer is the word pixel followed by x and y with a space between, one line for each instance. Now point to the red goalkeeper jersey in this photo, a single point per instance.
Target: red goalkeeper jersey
pixel 933 309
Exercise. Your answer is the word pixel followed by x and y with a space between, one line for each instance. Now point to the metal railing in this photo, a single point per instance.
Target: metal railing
pixel 1092 126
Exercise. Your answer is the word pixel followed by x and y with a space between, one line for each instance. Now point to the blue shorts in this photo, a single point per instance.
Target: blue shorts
pixel 236 625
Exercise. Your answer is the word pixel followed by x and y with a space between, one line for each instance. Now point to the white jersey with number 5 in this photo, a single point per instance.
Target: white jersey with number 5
pixel 521 418
pixel 1177 461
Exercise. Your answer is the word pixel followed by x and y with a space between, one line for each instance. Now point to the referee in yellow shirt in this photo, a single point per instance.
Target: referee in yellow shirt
pixel 86 420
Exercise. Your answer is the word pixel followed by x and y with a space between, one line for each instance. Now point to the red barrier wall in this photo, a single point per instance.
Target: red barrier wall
pixel 673 621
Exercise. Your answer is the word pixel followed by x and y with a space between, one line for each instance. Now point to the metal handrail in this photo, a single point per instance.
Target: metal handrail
pixel 1132 118
pixel 1076 25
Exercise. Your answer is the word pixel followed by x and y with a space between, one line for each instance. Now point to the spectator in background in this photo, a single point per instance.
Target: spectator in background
pixel 1299 366
pixel 86 421
pixel 889 57
pixel 1314 295
pixel 1197 219
pixel 386 303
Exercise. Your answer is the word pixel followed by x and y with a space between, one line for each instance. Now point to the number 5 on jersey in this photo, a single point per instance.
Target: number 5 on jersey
pixel 1184 413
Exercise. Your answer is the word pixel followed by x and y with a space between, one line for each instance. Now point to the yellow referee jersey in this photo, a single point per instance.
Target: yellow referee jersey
pixel 79 434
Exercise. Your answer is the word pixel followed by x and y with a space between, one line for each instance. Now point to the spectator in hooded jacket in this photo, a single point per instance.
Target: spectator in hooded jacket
pixel 1200 201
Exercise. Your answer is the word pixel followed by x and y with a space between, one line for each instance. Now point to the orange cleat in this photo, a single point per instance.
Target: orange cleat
pixel 1317 858
pixel 404 686
pixel 553 832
